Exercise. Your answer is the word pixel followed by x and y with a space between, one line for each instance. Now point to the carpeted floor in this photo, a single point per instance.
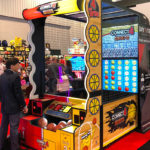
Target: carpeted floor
pixel 133 141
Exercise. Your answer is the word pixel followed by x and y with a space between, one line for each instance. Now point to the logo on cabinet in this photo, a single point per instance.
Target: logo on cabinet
pixel 49 8
pixel 93 9
pixel 122 116
pixel 86 141
pixel 123 32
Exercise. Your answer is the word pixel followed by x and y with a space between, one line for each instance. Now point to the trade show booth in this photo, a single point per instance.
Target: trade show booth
pixel 116 84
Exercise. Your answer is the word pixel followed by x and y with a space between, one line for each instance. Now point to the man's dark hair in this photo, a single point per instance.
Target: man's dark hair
pixel 11 61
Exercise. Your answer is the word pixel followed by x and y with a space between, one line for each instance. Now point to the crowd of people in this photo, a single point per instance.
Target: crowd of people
pixel 54 69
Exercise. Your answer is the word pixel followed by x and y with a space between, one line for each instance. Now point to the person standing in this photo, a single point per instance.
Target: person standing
pixel 2 66
pixel 68 69
pixel 12 100
pixel 52 75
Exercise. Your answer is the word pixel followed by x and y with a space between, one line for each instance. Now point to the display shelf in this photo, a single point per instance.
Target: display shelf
pixel 20 52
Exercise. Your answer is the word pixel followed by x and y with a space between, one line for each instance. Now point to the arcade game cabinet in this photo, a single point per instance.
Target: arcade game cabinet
pixel 125 63
pixel 117 81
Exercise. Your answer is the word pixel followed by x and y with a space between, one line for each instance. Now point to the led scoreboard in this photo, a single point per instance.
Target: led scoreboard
pixel 120 75
pixel 120 58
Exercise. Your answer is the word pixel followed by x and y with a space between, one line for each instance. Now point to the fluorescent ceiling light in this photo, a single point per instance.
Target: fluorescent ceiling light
pixel 116 0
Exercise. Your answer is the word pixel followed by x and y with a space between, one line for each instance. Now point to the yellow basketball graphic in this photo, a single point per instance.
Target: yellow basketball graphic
pixel 94 58
pixel 94 82
pixel 93 33
pixel 131 112
pixel 94 106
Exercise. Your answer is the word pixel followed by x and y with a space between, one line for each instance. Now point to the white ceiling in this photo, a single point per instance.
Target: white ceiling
pixel 143 8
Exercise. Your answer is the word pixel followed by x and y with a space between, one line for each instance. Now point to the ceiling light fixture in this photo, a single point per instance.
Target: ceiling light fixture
pixel 116 0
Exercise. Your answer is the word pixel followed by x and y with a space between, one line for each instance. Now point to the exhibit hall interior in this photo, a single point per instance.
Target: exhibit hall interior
pixel 84 74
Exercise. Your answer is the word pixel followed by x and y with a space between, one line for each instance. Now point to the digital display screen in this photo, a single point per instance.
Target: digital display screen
pixel 77 62
pixel 66 110
pixel 120 41
pixel 120 75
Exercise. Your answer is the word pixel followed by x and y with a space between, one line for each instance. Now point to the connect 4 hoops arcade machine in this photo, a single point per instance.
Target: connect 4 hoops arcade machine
pixel 117 81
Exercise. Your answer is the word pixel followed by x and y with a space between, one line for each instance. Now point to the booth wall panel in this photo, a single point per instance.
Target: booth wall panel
pixel 58 37
pixel 76 28
pixel 11 27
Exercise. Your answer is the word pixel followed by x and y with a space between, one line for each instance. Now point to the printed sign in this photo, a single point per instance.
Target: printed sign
pixel 122 116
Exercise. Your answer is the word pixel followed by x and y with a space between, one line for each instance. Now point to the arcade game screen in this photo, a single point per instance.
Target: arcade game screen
pixel 77 62
pixel 77 83
pixel 120 58
pixel 120 41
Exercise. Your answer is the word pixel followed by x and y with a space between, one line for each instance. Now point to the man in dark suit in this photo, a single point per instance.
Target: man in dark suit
pixel 12 100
